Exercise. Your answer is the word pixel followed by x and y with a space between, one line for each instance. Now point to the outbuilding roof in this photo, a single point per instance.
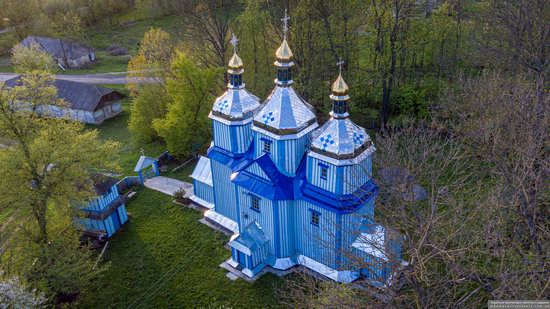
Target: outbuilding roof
pixel 80 96
pixel 144 162
pixel 58 48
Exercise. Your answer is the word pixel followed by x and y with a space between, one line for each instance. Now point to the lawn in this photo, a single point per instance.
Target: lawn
pixel 165 258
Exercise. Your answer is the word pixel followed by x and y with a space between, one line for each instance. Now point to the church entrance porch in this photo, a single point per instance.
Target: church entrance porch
pixel 250 250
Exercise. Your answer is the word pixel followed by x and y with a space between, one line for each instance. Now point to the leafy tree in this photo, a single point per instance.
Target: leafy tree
pixel 186 128
pixel 51 158
pixel 20 15
pixel 25 59
pixel 152 63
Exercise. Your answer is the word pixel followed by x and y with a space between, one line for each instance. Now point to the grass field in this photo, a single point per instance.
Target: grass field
pixel 164 257
pixel 126 32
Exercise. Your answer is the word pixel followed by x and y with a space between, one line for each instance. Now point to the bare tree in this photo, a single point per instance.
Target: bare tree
pixel 207 32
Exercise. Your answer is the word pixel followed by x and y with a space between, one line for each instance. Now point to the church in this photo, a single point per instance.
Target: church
pixel 292 191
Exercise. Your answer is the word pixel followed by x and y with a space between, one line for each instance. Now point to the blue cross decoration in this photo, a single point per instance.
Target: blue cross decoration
pixel 268 117
pixel 358 138
pixel 223 105
pixel 326 141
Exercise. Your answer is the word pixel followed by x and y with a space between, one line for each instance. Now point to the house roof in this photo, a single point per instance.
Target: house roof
pixel 59 48
pixel 202 171
pixel 80 96
pixel 144 162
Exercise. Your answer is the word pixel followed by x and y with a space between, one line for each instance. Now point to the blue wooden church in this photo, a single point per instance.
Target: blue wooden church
pixel 105 213
pixel 293 192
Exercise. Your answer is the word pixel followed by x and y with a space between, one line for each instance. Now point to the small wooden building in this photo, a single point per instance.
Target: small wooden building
pixel 106 212
pixel 67 54
pixel 147 168
pixel 88 103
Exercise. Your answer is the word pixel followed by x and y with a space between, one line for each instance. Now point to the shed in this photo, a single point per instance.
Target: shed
pixel 88 103
pixel 106 212
pixel 147 168
pixel 68 54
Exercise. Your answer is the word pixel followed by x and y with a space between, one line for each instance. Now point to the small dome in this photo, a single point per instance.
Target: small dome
pixel 283 52
pixel 340 88
pixel 235 63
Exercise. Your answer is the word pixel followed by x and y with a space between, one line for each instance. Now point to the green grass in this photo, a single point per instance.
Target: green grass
pixel 163 238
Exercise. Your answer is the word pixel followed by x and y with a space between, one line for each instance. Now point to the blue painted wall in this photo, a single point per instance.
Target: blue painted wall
pixel 224 190
pixel 203 191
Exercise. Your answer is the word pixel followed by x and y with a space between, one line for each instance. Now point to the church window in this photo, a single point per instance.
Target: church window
pixel 267 146
pixel 255 203
pixel 315 217
pixel 324 172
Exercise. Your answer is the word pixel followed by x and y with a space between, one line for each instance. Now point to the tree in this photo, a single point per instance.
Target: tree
pixel 52 160
pixel 186 128
pixel 47 172
pixel 152 63
pixel 207 32
pixel 502 118
pixel 21 16
pixel 25 59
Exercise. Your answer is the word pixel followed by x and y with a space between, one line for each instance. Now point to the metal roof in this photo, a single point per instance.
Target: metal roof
pixel 250 239
pixel 285 112
pixel 235 104
pixel 340 138
pixel 203 172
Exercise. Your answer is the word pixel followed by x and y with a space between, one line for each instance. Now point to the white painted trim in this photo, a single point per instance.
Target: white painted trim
pixel 222 220
pixel 201 202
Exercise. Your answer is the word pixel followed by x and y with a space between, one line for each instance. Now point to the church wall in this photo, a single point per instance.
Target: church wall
pixel 284 225
pixel 333 182
pixel 224 195
pixel 234 138
pixel 203 191
pixel 357 175
pixel 264 216
pixel 287 154
pixel 316 242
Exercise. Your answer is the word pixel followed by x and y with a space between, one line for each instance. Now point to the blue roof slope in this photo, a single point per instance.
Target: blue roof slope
pixel 236 162
pixel 279 186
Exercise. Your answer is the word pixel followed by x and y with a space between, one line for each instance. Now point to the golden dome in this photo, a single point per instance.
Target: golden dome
pixel 340 88
pixel 235 62
pixel 284 53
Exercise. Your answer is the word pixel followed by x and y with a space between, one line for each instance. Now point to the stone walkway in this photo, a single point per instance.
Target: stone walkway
pixel 169 185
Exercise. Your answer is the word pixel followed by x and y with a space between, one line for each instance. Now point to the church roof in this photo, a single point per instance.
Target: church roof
pixel 235 104
pixel 285 112
pixel 251 238
pixel 284 53
pixel 340 138
pixel 203 172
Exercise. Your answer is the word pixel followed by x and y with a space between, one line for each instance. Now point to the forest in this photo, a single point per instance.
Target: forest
pixel 455 92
